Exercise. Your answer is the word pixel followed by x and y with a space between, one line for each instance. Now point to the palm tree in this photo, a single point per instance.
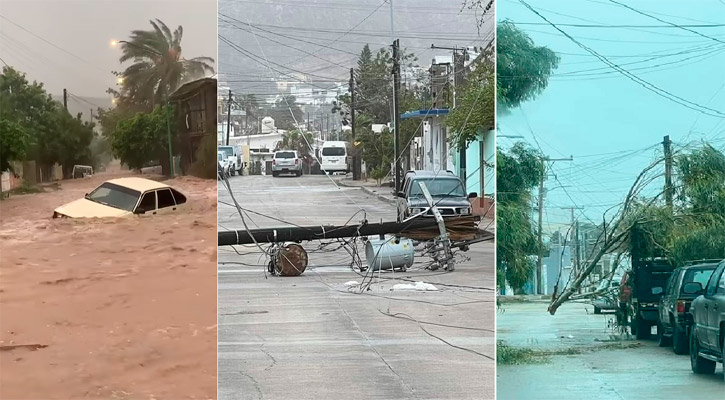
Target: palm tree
pixel 158 67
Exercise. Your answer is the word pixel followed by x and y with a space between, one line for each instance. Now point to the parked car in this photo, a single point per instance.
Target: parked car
pixel 224 165
pixel 673 308
pixel 124 197
pixel 286 161
pixel 607 300
pixel 445 188
pixel 707 340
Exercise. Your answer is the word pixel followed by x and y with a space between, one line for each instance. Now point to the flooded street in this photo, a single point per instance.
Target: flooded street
pixel 113 308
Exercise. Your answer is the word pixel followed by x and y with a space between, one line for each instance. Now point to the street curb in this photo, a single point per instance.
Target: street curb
pixel 369 192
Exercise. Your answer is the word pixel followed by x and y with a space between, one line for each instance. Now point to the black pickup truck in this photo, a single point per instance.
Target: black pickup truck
pixel 647 280
pixel 707 340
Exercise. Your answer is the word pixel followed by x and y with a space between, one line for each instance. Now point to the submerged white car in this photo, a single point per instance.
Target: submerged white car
pixel 124 197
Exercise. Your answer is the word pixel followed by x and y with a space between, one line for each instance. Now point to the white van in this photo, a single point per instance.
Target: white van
pixel 333 157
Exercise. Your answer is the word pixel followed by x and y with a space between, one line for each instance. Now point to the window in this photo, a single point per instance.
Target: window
pixel 440 187
pixel 698 275
pixel 228 150
pixel 333 151
pixel 713 283
pixel 115 196
pixel 148 202
pixel 721 285
pixel 284 154
pixel 166 199
pixel 180 198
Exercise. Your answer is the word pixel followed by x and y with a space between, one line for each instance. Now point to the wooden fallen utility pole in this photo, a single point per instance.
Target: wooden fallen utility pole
pixel 459 227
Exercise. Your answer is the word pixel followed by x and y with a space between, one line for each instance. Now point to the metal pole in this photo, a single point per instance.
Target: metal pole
pixel 539 261
pixel 65 99
pixel 168 134
pixel 229 115
pixel 396 114
pixel 318 232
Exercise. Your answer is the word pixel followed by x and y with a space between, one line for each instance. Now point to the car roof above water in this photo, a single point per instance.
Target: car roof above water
pixel 139 184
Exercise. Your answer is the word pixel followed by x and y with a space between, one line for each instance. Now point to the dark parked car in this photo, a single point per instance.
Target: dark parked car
pixel 707 340
pixel 673 309
pixel 446 190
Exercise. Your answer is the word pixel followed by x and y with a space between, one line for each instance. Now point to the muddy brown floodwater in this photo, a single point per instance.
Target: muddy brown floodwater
pixel 111 309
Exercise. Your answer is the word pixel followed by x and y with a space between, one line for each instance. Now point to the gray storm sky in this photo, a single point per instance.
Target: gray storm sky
pixel 82 31
pixel 287 32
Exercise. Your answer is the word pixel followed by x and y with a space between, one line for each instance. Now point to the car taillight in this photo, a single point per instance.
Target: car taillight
pixel 274 162
pixel 680 306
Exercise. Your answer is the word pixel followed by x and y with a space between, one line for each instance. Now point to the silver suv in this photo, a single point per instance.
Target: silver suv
pixel 445 188
pixel 286 162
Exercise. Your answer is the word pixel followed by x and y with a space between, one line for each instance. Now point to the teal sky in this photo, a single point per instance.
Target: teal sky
pixel 611 125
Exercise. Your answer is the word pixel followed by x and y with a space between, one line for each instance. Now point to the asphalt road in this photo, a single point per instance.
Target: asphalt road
pixel 645 371
pixel 308 337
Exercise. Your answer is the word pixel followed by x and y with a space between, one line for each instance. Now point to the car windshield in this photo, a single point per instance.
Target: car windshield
pixel 228 151
pixel 115 196
pixel 438 187
pixel 698 275
pixel 221 157
pixel 285 154
pixel 333 151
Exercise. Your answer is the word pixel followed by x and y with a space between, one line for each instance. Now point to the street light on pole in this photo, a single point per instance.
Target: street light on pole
pixel 114 43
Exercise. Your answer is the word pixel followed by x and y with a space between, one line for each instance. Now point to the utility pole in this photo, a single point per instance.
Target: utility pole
pixel 668 171
pixel 539 261
pixel 65 99
pixel 542 193
pixel 308 121
pixel 396 113
pixel 458 68
pixel 575 237
pixel 229 115
pixel 91 115
pixel 356 166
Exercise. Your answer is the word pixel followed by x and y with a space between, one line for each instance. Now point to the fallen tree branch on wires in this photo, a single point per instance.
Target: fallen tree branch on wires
pixel 612 238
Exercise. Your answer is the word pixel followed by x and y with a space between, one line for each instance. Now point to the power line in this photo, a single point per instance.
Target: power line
pixel 50 43
pixel 647 85
pixel 670 24
pixel 623 26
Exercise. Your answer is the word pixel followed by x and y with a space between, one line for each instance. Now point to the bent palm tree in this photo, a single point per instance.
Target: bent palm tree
pixel 158 67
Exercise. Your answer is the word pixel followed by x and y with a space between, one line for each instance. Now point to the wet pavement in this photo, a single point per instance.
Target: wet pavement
pixel 308 337
pixel 644 371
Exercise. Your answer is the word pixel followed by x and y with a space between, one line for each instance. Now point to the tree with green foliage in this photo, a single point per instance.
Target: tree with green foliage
pixel 522 68
pixel 645 227
pixel 300 142
pixel 475 111
pixel 23 109
pixel 142 139
pixel 14 142
pixel 518 171
pixel 158 67
pixel 37 128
